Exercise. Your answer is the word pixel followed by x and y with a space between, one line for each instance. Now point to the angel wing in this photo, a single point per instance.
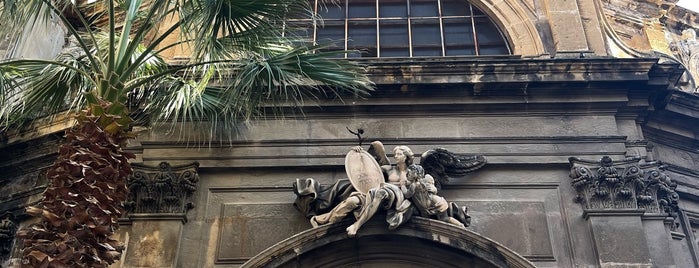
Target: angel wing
pixel 377 150
pixel 443 164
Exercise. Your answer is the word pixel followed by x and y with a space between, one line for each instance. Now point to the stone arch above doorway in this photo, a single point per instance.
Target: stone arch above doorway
pixel 515 23
pixel 419 243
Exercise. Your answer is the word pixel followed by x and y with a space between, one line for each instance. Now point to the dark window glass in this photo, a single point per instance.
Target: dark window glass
pixel 458 31
pixel 362 9
pixel 478 12
pixel 331 34
pixel 461 51
pixel 362 36
pixel 487 33
pixel 393 36
pixel 419 28
pixel 427 39
pixel 424 8
pixel 426 33
pixel 455 8
pixel 333 10
pixel 493 50
pixel 393 9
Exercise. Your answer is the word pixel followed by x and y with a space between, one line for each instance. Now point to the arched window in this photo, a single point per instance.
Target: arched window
pixel 405 28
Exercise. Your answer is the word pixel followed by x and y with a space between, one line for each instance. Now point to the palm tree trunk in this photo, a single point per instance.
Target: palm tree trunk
pixel 84 199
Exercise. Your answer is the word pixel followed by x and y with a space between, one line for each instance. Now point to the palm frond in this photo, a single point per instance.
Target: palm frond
pixel 179 100
pixel 242 61
pixel 41 88
pixel 284 75
pixel 211 22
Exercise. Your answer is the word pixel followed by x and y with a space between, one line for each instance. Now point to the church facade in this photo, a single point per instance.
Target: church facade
pixel 586 113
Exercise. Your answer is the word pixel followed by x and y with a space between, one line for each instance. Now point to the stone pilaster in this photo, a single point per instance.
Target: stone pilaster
pixel 158 201
pixel 619 237
pixel 627 204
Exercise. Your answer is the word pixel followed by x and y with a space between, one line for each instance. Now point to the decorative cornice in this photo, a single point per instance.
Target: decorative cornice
pixel 506 69
pixel 163 190
pixel 626 185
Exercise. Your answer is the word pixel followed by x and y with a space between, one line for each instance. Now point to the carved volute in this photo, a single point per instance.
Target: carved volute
pixel 624 185
pixel 164 189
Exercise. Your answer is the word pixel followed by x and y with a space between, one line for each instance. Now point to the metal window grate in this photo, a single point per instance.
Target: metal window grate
pixel 404 28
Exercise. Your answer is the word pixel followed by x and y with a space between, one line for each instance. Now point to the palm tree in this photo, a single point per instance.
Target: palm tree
pixel 240 61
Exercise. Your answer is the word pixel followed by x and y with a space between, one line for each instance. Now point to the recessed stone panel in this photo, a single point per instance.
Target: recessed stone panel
pixel 518 225
pixel 247 229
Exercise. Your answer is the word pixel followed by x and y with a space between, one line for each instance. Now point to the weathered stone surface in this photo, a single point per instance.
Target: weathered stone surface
pixel 151 241
pixel 246 229
pixel 162 189
pixel 519 225
pixel 527 113
pixel 657 232
pixel 566 26
pixel 434 244
pixel 620 239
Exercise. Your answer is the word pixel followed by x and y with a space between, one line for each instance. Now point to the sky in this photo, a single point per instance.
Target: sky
pixel 689 4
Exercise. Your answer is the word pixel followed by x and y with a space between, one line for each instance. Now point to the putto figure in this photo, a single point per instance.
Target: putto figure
pixel 402 189
pixel 423 192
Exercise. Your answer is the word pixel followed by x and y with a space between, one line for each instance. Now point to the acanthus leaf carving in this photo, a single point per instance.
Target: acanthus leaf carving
pixel 164 189
pixel 626 184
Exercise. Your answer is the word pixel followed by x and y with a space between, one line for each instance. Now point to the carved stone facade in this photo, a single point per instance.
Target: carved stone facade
pixel 164 189
pixel 656 28
pixel 626 184
pixel 591 79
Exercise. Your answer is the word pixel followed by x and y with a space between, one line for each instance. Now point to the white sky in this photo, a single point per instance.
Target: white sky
pixel 689 4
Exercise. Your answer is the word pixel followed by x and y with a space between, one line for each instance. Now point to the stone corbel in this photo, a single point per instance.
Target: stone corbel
pixel 630 184
pixel 162 191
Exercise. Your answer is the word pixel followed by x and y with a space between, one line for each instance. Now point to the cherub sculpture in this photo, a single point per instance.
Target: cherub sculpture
pixel 378 184
pixel 421 189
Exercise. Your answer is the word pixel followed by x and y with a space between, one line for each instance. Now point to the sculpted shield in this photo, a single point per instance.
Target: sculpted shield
pixel 363 171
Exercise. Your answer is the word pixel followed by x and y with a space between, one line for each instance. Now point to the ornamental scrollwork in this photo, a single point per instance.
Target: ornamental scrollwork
pixel 163 189
pixel 625 184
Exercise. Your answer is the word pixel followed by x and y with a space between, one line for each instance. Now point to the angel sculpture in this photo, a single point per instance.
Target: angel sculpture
pixel 379 184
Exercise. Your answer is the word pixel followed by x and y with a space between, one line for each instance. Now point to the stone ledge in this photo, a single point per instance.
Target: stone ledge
pixel 587 213
pixel 132 217
pixel 507 70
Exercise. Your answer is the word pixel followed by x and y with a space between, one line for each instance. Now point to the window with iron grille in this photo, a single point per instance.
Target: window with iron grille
pixel 403 28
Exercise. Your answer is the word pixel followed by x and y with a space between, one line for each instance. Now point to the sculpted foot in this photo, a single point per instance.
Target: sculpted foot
pixel 351 230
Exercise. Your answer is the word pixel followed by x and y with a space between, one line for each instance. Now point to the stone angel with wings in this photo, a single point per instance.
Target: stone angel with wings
pixel 403 188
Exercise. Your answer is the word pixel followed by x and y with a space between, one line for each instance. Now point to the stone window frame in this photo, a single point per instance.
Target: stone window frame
pixel 407 23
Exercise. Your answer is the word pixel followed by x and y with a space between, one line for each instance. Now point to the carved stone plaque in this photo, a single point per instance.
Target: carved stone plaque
pixel 363 171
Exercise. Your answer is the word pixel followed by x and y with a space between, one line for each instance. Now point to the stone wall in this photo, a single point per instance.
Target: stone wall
pixel 523 199
pixel 568 92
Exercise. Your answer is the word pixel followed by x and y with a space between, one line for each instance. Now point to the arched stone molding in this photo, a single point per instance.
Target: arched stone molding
pixel 419 243
pixel 515 23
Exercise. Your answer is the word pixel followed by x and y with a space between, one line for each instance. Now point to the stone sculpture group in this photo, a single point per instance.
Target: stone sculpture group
pixel 403 189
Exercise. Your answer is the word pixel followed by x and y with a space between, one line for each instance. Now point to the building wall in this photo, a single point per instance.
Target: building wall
pixel 522 199
pixel 569 91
